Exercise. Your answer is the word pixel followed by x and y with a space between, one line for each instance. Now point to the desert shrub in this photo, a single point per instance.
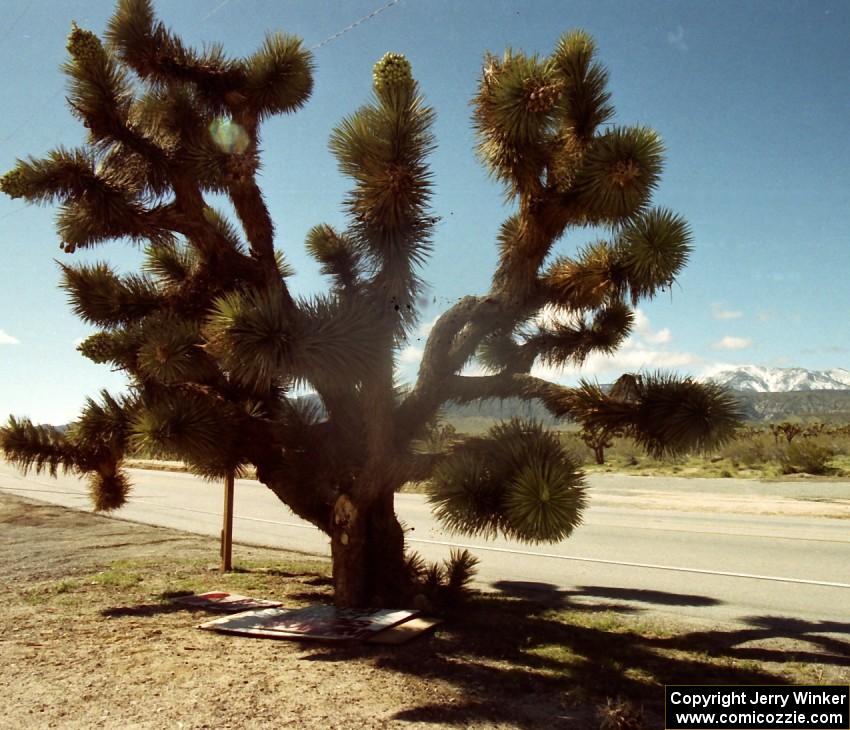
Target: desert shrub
pixel 621 714
pixel 444 587
pixel 807 456
pixel 625 451
pixel 751 451
pixel 839 441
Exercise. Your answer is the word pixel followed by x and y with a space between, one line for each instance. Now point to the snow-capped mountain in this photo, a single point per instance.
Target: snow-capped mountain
pixel 781 380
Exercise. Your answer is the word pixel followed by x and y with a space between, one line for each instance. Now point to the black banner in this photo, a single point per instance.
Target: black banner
pixel 756 707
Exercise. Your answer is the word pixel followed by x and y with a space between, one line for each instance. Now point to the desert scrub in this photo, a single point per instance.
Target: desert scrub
pixel 751 451
pixel 807 457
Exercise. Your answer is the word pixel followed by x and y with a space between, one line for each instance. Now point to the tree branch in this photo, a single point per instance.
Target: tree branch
pixel 257 224
pixel 465 389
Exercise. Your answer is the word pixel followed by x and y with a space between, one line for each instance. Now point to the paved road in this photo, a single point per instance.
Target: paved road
pixel 702 565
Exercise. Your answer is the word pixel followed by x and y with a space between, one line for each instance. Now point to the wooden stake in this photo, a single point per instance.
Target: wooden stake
pixel 227 531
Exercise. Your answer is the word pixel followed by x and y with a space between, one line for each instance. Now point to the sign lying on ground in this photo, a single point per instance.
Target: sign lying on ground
pixel 319 623
pixel 223 601
pixel 405 631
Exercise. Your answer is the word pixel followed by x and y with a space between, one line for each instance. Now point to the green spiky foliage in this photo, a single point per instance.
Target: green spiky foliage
pixel 518 481
pixel 213 341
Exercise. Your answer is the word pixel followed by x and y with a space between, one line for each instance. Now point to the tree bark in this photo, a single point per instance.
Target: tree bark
pixel 367 546
pixel 599 453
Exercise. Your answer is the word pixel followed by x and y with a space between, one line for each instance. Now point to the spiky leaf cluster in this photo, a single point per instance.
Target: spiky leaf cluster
pixel 91 446
pixel 191 424
pixel 383 148
pixel 104 427
pixel 101 297
pixel 518 481
pixel 109 490
pixel 569 343
pixel 585 100
pixel 279 77
pixel 663 413
pixel 337 254
pixel 646 256
pixel 652 250
pixel 41 448
pixel 595 277
pixel 170 263
pixel 620 169
pixel 514 115
pixel 260 341
pixel 443 587
pixel 538 122
pixel 171 352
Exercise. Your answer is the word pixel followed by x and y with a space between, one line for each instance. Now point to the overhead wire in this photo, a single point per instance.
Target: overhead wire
pixel 351 27
pixel 214 10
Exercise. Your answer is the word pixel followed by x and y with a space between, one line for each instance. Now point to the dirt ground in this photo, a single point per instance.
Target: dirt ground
pixel 90 639
pixel 87 641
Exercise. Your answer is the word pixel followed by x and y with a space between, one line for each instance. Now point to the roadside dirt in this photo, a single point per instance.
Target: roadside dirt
pixel 87 640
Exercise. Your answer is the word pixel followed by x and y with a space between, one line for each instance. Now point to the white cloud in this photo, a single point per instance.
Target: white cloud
pixel 644 330
pixel 637 359
pixel 718 312
pixel 764 316
pixel 410 355
pixel 733 343
pixel 609 367
pixel 662 337
pixel 676 38
pixel 641 321
pixel 6 339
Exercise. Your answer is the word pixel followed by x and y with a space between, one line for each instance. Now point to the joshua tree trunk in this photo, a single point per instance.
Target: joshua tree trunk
pixel 599 453
pixel 367 545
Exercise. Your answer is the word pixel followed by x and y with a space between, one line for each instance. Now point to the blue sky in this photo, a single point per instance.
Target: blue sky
pixel 752 100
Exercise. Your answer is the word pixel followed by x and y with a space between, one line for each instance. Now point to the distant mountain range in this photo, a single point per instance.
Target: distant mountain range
pixel 766 394
pixel 755 379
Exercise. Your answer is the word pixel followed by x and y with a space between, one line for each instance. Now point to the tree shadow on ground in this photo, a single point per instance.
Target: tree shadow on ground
pixel 556 597
pixel 529 656
pixel 643 595
pixel 830 638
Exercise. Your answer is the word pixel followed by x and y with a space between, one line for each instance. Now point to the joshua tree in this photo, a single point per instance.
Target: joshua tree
pixel 787 429
pixel 598 439
pixel 213 339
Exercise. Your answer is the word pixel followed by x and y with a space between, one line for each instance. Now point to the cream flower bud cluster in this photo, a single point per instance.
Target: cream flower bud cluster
pixel 83 45
pixel 392 70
